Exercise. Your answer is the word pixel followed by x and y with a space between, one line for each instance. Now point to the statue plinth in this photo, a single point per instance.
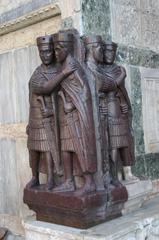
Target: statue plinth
pixel 67 209
pixel 79 131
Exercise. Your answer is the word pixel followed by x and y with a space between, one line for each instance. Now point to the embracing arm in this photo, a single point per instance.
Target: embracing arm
pixel 39 86
pixel 121 79
pixel 106 84
pixel 46 87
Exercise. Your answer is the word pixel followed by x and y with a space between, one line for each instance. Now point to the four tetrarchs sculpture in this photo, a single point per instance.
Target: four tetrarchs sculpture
pixel 79 131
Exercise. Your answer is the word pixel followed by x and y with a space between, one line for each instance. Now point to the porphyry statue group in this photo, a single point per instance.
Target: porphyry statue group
pixel 80 117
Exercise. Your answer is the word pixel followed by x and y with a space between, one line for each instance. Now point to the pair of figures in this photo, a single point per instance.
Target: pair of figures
pixel 61 124
pixel 114 108
pixel 61 129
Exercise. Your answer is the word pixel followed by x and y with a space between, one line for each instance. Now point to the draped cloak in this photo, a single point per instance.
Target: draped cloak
pixel 76 87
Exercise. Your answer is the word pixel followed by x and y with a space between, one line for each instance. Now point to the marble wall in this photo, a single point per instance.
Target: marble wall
pixel 135 22
pixel 18 59
pixel 21 22
pixel 134 25
pixel 15 70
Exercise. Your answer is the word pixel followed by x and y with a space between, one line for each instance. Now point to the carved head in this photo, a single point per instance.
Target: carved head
pixel 94 48
pixel 46 49
pixel 110 49
pixel 63 45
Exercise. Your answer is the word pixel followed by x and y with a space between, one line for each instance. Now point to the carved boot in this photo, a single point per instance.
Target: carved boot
pixel 88 187
pixel 128 176
pixel 49 185
pixel 33 182
pixel 67 186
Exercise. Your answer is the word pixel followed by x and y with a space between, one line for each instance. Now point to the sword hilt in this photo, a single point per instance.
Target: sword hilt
pixel 41 100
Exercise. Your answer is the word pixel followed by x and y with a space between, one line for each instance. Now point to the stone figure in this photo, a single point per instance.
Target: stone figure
pixel 3 233
pixel 94 65
pixel 42 137
pixel 64 95
pixel 76 119
pixel 120 135
pixel 114 107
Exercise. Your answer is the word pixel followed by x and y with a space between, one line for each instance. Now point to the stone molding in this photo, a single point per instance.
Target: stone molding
pixel 30 18
pixel 150 90
pixel 139 225
pixel 14 131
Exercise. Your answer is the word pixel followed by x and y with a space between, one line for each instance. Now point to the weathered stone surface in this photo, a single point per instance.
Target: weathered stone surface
pixel 20 57
pixel 3 232
pixel 31 12
pixel 140 168
pixel 8 195
pixel 7 5
pixel 136 100
pixel 29 58
pixel 7 89
pixel 67 23
pixel 71 14
pixel 10 10
pixel 138 193
pixel 135 23
pixel 14 168
pixel 41 230
pixel 14 83
pixel 14 237
pixel 140 225
pixel 96 17
pixel 137 56
pixel 147 165
pixel 30 19
pixel 125 17
pixel 150 99
pixel 13 131
pixel 27 36
pixel 155 188
pixel 136 32
pixel 12 223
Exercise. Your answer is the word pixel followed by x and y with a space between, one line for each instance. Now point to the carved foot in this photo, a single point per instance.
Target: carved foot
pixel 128 176
pixel 33 183
pixel 3 233
pixel 49 186
pixel 87 188
pixel 116 183
pixel 131 178
pixel 67 186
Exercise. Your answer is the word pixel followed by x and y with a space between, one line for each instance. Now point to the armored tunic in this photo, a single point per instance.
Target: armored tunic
pixel 119 123
pixel 65 137
pixel 38 137
pixel 111 98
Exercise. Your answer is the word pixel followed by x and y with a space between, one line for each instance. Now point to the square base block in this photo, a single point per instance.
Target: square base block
pixel 75 211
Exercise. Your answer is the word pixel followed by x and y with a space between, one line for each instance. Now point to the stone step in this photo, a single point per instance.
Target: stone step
pixel 138 225
pixel 14 237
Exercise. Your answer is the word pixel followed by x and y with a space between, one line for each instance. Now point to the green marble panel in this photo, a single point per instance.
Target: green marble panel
pixel 96 17
pixel 67 23
pixel 140 169
pixel 136 101
pixel 147 166
pixel 96 20
pixel 138 56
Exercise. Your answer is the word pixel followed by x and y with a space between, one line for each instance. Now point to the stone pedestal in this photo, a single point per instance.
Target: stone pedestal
pixel 138 192
pixel 139 225
pixel 75 211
